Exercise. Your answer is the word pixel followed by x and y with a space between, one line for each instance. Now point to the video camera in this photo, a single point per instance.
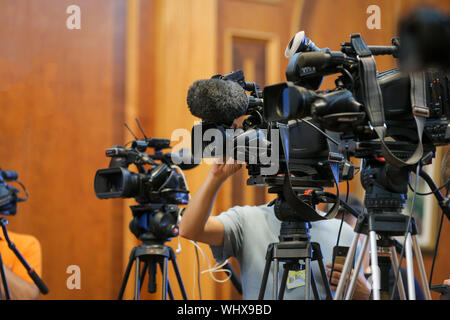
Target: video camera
pixel 363 99
pixel 274 154
pixel 8 193
pixel 158 189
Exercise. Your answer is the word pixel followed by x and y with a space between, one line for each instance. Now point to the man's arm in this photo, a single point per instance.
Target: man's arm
pixel 19 289
pixel 196 223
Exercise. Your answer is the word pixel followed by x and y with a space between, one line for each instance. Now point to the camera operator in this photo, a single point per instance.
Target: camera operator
pixel 20 285
pixel 245 233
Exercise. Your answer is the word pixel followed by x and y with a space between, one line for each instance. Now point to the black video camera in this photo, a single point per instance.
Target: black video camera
pixel 8 194
pixel 286 156
pixel 365 99
pixel 158 189
pixel 161 183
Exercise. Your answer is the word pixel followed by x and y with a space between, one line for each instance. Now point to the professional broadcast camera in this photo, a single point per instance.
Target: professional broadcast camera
pixel 158 190
pixel 271 150
pixel 365 105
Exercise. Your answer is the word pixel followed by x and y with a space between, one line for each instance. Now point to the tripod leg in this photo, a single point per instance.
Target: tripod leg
pixel 137 275
pixel 275 279
pixel 347 268
pixel 178 275
pixel 126 275
pixel 165 278
pixel 308 279
pixel 169 287
pixel 376 277
pixel 325 280
pixel 420 265
pixel 351 288
pixel 409 268
pixel 400 286
pixel 314 286
pixel 262 290
pixel 283 282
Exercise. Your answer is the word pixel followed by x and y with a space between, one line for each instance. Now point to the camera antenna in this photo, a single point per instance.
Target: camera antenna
pixel 140 128
pixel 132 133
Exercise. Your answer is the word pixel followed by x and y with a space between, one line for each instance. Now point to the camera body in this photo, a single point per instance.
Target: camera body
pixel 161 183
pixel 158 190
pixel 260 144
pixel 344 108
pixel 8 194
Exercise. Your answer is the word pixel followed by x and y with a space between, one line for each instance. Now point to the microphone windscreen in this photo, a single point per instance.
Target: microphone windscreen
pixel 217 100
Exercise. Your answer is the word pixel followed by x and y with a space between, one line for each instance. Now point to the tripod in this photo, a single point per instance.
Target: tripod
pixel 386 189
pixel 152 252
pixel 294 246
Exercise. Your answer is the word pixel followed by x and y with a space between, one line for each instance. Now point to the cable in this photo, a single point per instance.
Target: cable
pixel 24 190
pixel 216 268
pixel 321 131
pixel 198 274
pixel 447 184
pixel 436 246
pixel 406 233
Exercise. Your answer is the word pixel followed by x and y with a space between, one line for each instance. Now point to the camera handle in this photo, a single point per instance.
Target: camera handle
pixel 33 275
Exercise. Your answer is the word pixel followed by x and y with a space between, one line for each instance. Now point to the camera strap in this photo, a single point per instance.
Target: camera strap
pixel 307 212
pixel 374 103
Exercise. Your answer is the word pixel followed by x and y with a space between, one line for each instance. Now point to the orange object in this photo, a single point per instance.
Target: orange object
pixel 30 249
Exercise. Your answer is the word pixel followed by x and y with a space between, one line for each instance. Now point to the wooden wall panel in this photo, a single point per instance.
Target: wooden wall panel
pixel 61 99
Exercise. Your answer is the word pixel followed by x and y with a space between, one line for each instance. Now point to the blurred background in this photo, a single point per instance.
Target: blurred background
pixel 65 94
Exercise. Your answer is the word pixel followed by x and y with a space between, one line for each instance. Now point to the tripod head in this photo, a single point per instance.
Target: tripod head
pixel 293 226
pixel 155 223
pixel 386 186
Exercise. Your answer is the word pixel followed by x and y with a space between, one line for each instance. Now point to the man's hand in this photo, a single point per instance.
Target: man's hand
pixel 362 289
pixel 224 170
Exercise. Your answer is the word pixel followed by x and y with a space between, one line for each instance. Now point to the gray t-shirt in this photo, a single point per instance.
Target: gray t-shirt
pixel 248 232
